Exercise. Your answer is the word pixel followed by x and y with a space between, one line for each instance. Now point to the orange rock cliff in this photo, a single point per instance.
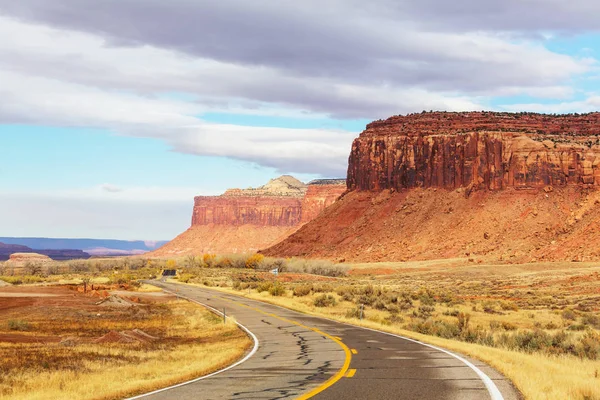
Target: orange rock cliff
pixel 245 220
pixel 482 185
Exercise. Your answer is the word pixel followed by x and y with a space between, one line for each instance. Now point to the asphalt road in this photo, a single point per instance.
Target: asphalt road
pixel 300 356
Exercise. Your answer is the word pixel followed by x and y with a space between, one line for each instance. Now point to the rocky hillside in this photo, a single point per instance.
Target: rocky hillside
pixel 437 185
pixel 6 250
pixel 246 220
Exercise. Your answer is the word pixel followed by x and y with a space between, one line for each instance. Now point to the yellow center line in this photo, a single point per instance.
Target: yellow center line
pixel 350 373
pixel 354 351
pixel 339 375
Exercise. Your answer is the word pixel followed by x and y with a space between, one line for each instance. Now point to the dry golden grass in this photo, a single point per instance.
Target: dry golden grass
pixel 193 342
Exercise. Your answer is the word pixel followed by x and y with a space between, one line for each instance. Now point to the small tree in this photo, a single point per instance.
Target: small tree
pixel 254 261
pixel 33 268
pixel 209 259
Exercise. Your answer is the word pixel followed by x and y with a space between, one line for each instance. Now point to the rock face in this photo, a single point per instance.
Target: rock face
pixel 22 258
pixel 482 186
pixel 246 220
pixel 481 150
pixel 321 194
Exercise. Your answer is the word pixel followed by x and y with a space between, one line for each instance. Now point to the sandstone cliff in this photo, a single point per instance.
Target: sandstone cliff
pixel 437 185
pixel 246 220
pixel 321 194
pixel 483 150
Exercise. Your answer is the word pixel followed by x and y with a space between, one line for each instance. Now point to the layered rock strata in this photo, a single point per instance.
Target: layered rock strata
pixel 478 185
pixel 246 220
pixel 477 149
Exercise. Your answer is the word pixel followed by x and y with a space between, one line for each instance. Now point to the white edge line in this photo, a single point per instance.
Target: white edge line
pixel 493 390
pixel 254 349
pixel 491 387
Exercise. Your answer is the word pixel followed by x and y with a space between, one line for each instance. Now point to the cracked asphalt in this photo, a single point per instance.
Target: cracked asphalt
pixel 293 360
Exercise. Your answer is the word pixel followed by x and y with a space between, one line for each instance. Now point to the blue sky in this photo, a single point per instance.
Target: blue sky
pixel 109 127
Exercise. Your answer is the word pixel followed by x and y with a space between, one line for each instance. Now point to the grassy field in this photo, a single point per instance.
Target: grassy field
pixel 537 323
pixel 54 348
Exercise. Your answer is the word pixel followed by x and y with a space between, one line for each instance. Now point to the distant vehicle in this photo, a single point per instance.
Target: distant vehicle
pixel 168 273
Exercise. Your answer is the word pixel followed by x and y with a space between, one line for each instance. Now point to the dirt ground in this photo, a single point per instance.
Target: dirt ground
pixel 31 314
pixel 508 226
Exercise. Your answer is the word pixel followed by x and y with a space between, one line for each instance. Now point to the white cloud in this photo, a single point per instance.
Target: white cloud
pixel 590 104
pixel 66 74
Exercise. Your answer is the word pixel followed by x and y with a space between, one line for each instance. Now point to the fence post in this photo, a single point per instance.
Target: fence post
pixel 361 311
pixel 224 317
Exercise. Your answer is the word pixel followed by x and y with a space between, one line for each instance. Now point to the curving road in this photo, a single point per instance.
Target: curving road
pixel 300 356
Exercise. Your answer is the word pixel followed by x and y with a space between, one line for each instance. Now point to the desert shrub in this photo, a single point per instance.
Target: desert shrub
pixel 367 300
pixel 551 325
pixel 368 290
pixel 185 278
pixel 18 325
pixel 53 270
pixel 302 290
pixel 264 286
pixel 530 341
pixel 509 306
pixel 25 279
pixel 341 290
pixel 171 264
pixel 490 307
pixel 424 312
pixel 592 320
pixel 354 313
pixel 451 313
pixel 569 314
pixel 277 290
pixel 13 280
pixel 237 285
pixel 325 300
pixel 426 298
pixel 589 345
pixel 120 279
pixel 436 328
pixel 323 288
pixel 576 327
pixel 393 309
pixel 33 268
pixel 447 298
pixel 463 321
pixel 254 261
pixel 379 305
pixel 508 326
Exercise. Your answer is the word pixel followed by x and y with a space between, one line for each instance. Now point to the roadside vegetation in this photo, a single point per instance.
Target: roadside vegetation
pixel 538 324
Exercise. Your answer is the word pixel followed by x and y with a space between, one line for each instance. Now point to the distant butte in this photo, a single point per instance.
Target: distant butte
pixel 246 220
